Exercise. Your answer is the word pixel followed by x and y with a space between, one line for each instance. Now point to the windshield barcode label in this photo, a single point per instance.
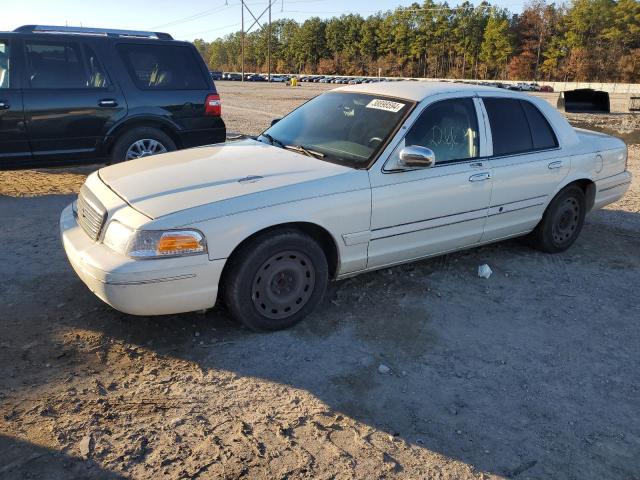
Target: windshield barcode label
pixel 386 105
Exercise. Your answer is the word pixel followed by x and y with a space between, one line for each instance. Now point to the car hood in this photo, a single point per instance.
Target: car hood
pixel 161 185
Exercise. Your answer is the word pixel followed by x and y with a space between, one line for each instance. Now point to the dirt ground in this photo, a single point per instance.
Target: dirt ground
pixel 532 373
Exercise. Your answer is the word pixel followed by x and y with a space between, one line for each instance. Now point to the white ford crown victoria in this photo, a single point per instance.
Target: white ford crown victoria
pixel 356 179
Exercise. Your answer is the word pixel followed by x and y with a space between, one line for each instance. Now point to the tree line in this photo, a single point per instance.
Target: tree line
pixel 586 40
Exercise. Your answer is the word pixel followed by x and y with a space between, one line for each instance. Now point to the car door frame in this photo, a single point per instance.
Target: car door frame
pixel 108 103
pixel 380 177
pixel 23 157
pixel 510 214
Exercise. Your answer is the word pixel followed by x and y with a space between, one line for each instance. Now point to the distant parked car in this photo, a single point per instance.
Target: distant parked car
pixel 236 77
pixel 546 88
pixel 88 95
pixel 216 75
pixel 256 78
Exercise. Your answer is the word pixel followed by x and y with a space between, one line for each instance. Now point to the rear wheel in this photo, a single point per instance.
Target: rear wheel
pixel 562 221
pixel 141 142
pixel 275 280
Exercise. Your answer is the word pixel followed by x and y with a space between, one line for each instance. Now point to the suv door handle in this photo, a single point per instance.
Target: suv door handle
pixel 554 165
pixel 4 105
pixel 480 177
pixel 107 102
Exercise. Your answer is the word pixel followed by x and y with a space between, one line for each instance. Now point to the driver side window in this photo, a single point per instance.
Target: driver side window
pixel 449 128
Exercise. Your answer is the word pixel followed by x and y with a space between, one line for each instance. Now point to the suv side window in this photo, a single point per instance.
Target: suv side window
pixel 4 64
pixel 541 132
pixel 163 67
pixel 61 65
pixel 449 128
pixel 97 75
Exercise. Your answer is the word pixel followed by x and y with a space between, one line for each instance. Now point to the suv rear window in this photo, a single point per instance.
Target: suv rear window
pixel 163 67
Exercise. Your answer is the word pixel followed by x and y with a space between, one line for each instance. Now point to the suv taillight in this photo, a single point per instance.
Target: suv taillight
pixel 213 105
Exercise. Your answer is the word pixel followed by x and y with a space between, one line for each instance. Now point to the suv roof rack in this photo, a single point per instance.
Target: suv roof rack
pixel 104 32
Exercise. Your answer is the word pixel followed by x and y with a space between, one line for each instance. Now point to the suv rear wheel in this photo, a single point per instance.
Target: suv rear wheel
pixel 141 142
pixel 275 280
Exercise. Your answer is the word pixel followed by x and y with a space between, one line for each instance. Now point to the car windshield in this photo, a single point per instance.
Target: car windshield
pixel 344 128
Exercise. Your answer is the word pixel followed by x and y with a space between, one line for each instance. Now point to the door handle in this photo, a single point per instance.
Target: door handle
pixel 554 165
pixel 476 165
pixel 107 102
pixel 4 105
pixel 480 177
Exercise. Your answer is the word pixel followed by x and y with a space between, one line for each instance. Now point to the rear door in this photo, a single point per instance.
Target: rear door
pixel 14 147
pixel 170 80
pixel 527 163
pixel 70 100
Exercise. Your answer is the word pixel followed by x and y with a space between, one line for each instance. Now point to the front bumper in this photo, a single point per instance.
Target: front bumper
pixel 140 287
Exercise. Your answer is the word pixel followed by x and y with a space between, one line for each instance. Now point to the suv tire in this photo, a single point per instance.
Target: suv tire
pixel 275 280
pixel 141 142
pixel 562 221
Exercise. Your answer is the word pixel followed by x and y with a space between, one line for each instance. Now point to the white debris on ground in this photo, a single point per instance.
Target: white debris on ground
pixel 484 271
pixel 383 369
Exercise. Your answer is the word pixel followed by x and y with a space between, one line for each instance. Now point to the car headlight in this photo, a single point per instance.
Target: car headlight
pixel 153 243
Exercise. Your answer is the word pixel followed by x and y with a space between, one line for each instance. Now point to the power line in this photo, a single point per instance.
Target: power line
pixel 195 16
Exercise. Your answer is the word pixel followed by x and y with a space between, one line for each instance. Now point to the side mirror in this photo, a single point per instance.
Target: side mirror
pixel 274 121
pixel 415 156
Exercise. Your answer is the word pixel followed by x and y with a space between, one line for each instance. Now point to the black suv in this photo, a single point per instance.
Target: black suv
pixel 78 95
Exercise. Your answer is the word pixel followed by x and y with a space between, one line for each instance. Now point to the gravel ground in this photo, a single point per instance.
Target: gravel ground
pixel 419 371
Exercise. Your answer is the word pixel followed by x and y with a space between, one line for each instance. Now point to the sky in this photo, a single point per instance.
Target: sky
pixel 187 19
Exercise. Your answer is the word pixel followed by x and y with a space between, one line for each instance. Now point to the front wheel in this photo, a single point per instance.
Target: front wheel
pixel 562 221
pixel 275 280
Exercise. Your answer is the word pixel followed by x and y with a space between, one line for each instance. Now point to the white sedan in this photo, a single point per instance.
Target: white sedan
pixel 359 178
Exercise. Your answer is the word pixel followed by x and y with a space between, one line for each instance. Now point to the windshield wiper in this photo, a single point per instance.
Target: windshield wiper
pixel 306 151
pixel 272 140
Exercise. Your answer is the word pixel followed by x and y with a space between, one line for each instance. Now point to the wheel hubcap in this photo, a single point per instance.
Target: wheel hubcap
pixel 566 220
pixel 145 148
pixel 283 284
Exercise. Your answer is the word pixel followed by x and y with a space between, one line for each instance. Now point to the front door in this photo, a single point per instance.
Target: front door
pixel 421 212
pixel 14 146
pixel 69 100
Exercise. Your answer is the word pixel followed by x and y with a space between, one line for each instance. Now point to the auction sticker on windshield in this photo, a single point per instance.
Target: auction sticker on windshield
pixel 387 105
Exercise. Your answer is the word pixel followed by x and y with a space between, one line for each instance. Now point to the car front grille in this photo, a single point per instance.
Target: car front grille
pixel 90 213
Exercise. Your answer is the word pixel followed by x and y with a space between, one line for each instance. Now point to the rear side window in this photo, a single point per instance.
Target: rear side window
pixel 541 132
pixel 509 126
pixel 63 65
pixel 55 65
pixel 163 67
pixel 4 65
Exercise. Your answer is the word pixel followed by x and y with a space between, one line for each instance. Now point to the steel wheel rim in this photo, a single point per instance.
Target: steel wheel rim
pixel 566 220
pixel 283 284
pixel 145 148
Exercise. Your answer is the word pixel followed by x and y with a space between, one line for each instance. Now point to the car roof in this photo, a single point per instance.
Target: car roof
pixel 415 91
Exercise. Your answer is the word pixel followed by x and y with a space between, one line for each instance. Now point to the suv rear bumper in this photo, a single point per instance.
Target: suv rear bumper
pixel 140 287
pixel 198 138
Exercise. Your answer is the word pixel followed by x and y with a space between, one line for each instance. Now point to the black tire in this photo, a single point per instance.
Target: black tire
pixel 288 268
pixel 129 138
pixel 562 221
